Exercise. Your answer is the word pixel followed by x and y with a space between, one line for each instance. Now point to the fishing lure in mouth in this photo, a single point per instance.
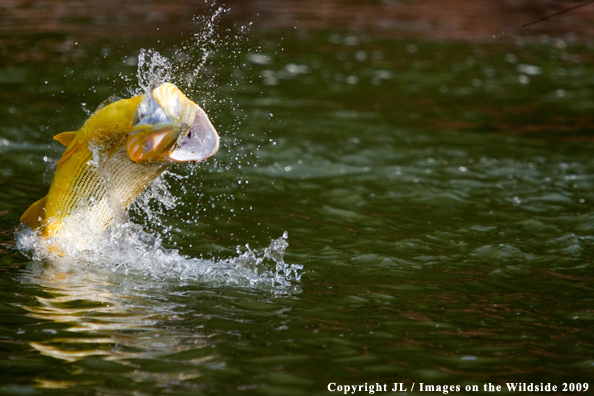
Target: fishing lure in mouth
pixel 118 152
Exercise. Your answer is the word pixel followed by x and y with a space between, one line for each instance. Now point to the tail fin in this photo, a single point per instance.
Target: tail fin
pixel 35 215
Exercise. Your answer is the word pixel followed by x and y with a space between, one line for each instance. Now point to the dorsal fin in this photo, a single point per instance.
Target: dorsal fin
pixel 65 138
pixel 35 215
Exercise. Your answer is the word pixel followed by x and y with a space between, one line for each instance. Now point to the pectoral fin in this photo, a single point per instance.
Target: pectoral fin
pixel 35 215
pixel 149 143
pixel 65 138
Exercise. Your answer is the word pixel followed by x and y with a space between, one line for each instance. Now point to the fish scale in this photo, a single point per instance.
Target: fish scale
pixel 105 191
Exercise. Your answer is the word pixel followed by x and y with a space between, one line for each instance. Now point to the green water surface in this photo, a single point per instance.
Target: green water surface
pixel 440 197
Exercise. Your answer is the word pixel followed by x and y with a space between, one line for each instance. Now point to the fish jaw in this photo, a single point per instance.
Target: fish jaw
pixel 172 129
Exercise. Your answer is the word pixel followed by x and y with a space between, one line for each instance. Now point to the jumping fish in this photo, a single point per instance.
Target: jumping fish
pixel 118 152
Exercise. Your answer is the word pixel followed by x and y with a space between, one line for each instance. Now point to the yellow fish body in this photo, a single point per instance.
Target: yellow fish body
pixel 117 153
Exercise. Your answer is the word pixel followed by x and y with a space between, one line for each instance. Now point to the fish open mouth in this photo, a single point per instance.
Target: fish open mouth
pixel 201 142
pixel 171 128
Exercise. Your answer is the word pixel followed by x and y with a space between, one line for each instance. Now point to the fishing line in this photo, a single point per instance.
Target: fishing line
pixel 558 13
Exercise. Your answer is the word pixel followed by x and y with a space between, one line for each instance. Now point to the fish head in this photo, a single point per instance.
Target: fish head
pixel 170 128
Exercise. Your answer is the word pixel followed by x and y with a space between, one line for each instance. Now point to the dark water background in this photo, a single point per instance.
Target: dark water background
pixel 438 193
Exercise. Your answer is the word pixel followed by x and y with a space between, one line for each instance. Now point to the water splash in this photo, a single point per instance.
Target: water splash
pixel 206 39
pixel 126 249
pixel 184 67
pixel 153 70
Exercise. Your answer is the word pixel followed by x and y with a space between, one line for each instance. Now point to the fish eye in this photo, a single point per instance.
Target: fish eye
pixel 138 115
pixel 141 112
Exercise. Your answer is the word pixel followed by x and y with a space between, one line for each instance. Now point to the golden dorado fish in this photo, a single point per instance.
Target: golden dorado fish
pixel 117 153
